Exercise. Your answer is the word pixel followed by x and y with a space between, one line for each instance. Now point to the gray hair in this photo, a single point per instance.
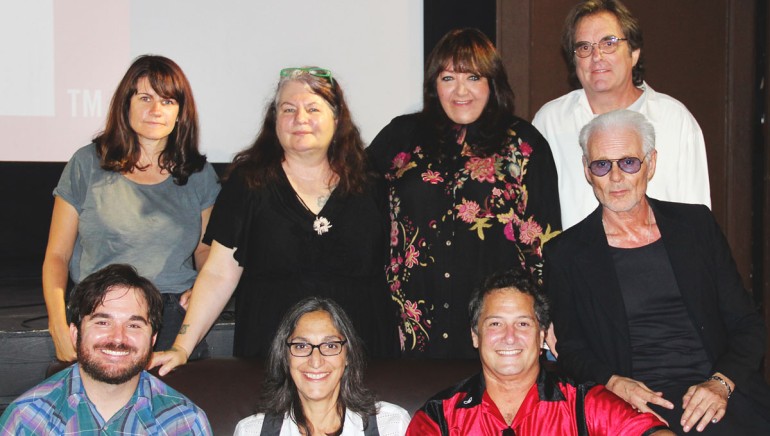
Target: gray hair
pixel 620 119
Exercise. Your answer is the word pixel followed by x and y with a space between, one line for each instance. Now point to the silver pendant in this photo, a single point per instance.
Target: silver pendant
pixel 321 225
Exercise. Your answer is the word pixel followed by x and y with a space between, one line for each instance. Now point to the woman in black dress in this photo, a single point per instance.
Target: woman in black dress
pixel 299 215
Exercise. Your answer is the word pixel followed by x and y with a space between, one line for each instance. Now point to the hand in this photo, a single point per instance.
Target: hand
pixel 184 299
pixel 550 339
pixel 169 359
pixel 638 395
pixel 704 403
pixel 62 342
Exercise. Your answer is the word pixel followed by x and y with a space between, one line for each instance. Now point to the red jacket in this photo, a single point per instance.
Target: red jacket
pixel 551 407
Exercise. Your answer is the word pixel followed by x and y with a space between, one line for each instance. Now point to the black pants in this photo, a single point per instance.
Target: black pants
pixel 173 316
pixel 741 418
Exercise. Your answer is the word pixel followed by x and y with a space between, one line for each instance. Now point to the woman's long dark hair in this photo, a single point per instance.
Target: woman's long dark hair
pixel 279 393
pixel 469 51
pixel 118 145
pixel 260 164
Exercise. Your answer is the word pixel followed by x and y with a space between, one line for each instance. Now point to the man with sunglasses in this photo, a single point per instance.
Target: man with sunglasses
pixel 603 43
pixel 647 299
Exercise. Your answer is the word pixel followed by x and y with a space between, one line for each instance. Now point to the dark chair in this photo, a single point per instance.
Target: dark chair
pixel 228 388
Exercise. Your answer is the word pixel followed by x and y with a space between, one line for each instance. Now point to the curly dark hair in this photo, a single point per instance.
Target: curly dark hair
pixel 91 291
pixel 469 51
pixel 279 393
pixel 118 145
pixel 518 279
pixel 628 24
pixel 260 164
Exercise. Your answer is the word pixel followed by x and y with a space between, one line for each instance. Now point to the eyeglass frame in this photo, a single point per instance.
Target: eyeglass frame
pixel 594 45
pixel 313 71
pixel 341 343
pixel 615 161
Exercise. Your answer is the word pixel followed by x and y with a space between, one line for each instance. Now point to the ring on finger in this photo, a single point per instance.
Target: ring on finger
pixel 714 420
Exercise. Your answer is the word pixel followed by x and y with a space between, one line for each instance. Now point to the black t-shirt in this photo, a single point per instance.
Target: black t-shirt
pixel 285 260
pixel 666 349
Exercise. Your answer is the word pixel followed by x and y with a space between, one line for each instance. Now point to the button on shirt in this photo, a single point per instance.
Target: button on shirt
pixel 60 406
pixel 457 218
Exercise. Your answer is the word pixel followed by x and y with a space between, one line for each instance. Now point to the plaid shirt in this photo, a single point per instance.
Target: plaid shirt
pixel 60 406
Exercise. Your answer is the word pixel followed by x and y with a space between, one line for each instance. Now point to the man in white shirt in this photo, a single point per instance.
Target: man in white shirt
pixel 603 42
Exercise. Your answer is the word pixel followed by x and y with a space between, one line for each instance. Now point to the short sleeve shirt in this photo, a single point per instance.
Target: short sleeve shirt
pixel 155 228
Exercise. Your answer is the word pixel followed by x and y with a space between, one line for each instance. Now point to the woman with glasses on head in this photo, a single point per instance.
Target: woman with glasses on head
pixel 140 194
pixel 472 190
pixel 646 298
pixel 314 380
pixel 299 215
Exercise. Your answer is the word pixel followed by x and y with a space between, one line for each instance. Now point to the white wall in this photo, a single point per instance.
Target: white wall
pixel 63 59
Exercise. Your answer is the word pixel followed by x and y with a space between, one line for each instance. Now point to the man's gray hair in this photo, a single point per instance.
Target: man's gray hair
pixel 620 119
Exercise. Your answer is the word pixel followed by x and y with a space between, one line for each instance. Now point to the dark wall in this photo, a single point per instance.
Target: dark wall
pixel 26 188
pixel 441 16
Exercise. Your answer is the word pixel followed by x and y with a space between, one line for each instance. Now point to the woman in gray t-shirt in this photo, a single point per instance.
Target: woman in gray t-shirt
pixel 140 194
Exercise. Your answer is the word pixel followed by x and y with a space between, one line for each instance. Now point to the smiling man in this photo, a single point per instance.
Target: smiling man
pixel 115 315
pixel 513 395
pixel 603 44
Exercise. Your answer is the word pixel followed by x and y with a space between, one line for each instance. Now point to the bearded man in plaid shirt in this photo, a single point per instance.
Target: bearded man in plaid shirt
pixel 115 315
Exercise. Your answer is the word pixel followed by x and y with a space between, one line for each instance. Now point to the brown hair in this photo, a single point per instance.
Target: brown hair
pixel 90 292
pixel 518 279
pixel 628 24
pixel 260 164
pixel 470 51
pixel 118 145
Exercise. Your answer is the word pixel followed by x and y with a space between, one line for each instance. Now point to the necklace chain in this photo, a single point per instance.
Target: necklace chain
pixel 321 224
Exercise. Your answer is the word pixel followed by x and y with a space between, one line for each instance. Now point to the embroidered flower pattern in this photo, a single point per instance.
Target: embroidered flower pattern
pixel 486 196
pixel 482 169
pixel 411 310
pixel 468 210
pixel 411 256
pixel 432 177
pixel 529 231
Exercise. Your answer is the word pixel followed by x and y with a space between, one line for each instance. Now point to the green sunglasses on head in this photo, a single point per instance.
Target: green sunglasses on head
pixel 313 71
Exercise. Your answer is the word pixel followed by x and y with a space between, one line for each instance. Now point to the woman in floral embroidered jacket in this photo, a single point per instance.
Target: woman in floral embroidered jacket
pixel 472 189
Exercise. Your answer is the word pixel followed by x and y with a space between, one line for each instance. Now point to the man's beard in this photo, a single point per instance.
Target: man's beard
pixel 91 365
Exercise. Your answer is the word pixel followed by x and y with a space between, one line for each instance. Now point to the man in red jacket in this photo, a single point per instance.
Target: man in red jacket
pixel 513 395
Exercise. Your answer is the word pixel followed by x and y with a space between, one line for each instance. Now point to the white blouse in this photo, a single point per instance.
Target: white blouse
pixel 392 420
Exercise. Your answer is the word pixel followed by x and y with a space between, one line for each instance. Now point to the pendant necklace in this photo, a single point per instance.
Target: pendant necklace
pixel 321 225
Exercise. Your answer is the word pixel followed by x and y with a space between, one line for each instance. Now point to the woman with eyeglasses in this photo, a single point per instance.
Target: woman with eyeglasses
pixel 646 298
pixel 299 214
pixel 313 382
pixel 140 194
pixel 472 190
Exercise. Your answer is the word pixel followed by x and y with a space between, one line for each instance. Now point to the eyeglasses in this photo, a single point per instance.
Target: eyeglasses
pixel 607 45
pixel 317 72
pixel 305 349
pixel 629 165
